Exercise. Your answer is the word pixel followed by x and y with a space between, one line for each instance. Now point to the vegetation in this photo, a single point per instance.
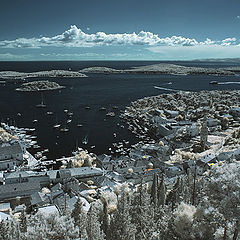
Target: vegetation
pixel 194 208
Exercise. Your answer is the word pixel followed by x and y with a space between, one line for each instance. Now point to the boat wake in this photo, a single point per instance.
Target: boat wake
pixel 166 89
pixel 225 83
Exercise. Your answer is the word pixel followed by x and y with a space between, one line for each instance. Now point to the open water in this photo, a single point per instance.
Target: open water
pixel 95 91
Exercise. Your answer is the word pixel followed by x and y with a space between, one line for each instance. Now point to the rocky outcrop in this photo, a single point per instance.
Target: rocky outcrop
pixel 104 70
pixel 39 86
pixel 11 75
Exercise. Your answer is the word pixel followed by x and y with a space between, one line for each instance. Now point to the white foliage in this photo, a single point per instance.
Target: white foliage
pixel 183 219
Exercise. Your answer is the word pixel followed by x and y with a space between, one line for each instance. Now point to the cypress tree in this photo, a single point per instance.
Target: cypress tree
pixel 121 227
pixel 154 189
pixel 94 231
pixel 105 219
pixel 162 192
pixel 79 217
pixel 23 222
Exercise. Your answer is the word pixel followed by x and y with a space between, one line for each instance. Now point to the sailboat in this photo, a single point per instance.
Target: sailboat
pixel 78 149
pixel 85 140
pixel 41 105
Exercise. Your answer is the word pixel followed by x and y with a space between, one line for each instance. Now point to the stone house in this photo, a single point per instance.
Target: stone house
pixel 11 156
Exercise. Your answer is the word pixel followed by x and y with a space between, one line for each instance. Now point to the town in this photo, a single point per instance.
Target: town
pixel 170 144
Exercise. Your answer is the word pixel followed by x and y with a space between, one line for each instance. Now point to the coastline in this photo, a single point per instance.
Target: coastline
pixel 12 75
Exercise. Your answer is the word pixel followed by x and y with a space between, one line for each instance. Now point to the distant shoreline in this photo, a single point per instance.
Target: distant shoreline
pixel 165 68
pixel 12 75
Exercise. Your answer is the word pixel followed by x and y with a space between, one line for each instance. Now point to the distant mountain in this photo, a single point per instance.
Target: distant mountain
pixel 218 60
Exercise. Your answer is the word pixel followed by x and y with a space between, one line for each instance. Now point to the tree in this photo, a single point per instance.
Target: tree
pixel 121 227
pixel 142 214
pixel 51 227
pixel 94 231
pixel 105 219
pixel 182 221
pixel 174 195
pixel 23 222
pixel 80 218
pixel 3 229
pixel 223 192
pixel 154 189
pixel 162 192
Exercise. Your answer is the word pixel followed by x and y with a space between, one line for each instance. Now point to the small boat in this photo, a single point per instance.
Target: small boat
pixel 85 140
pixel 79 125
pixel 56 125
pixel 65 110
pixel 69 120
pixel 70 114
pixel 30 129
pixel 64 129
pixel 36 146
pixel 213 82
pixel 110 114
pixel 19 114
pixel 35 120
pixel 43 158
pixel 115 107
pixel 41 105
pixel 49 113
pixel 103 109
pixel 87 108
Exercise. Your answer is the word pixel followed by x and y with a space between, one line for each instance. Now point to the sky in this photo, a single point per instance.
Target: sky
pixel 119 30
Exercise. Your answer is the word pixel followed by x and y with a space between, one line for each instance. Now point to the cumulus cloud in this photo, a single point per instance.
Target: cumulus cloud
pixel 228 41
pixel 75 37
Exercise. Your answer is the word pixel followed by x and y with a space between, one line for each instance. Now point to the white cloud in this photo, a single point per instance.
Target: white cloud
pixel 228 41
pixel 71 54
pixel 238 17
pixel 75 37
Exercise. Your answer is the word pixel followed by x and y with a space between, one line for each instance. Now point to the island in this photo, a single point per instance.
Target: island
pixel 39 86
pixel 163 68
pixel 12 75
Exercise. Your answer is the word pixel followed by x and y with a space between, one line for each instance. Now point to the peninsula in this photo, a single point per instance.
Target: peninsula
pixel 163 68
pixel 12 75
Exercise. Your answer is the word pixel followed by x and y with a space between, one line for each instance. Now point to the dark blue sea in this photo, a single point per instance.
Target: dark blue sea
pixel 95 91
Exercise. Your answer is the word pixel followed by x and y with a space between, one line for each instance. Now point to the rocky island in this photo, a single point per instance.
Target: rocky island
pixel 39 86
pixel 12 75
pixel 163 68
